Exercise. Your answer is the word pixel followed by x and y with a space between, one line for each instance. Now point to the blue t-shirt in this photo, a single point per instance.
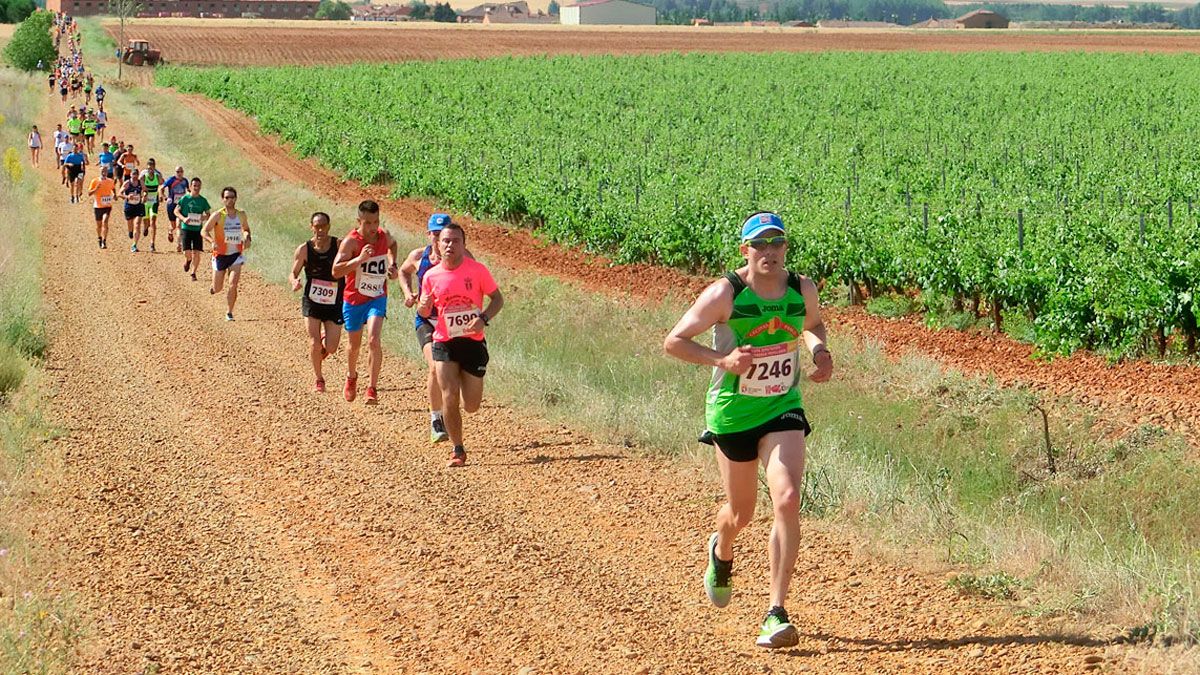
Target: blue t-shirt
pixel 74 158
pixel 106 158
pixel 177 187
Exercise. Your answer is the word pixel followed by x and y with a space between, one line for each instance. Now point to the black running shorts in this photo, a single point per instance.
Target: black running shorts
pixel 742 446
pixel 191 239
pixel 74 171
pixel 424 334
pixel 471 355
pixel 134 211
pixel 315 310
pixel 101 212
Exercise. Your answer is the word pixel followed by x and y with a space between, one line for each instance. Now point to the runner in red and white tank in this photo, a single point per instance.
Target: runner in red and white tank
pixel 455 288
pixel 367 259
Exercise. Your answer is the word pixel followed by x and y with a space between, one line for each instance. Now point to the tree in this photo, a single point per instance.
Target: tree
pixel 443 12
pixel 16 11
pixel 123 10
pixel 31 42
pixel 420 10
pixel 333 10
pixel 552 10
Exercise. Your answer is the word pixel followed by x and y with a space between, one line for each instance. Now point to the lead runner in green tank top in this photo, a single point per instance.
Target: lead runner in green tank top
pixel 760 316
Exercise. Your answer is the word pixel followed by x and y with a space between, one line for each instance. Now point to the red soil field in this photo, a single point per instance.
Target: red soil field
pixel 244 43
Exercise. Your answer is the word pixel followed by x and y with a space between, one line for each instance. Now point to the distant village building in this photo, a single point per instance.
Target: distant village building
pixel 838 23
pixel 980 18
pixel 381 12
pixel 608 13
pixel 983 18
pixel 271 9
pixel 504 12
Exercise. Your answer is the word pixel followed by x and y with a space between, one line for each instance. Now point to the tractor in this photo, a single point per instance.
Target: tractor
pixel 139 53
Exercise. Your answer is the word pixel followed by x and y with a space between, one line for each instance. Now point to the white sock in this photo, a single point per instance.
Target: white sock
pixel 435 415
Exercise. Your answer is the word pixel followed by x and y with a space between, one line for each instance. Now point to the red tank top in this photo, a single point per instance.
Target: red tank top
pixel 369 280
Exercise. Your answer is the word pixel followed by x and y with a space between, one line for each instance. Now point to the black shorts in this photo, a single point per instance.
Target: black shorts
pixel 171 212
pixel 191 240
pixel 224 262
pixel 74 171
pixel 101 211
pixel 424 334
pixel 471 355
pixel 315 310
pixel 134 211
pixel 742 446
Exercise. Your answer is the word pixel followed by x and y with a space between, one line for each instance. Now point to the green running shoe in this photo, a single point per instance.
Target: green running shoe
pixel 437 431
pixel 777 630
pixel 718 575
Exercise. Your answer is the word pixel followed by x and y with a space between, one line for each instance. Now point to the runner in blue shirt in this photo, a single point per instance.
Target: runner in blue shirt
pixel 73 169
pixel 173 189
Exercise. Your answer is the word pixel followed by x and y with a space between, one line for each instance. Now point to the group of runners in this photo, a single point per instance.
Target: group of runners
pixel 761 317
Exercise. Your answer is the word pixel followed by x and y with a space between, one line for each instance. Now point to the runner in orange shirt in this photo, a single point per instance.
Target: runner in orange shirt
pixel 102 190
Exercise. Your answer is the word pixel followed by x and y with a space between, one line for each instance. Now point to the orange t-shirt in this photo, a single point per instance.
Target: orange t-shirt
pixel 105 189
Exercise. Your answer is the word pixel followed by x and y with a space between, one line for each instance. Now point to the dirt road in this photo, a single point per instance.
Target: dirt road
pixel 216 515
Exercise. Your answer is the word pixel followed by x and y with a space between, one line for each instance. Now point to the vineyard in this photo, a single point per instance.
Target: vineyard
pixel 1059 186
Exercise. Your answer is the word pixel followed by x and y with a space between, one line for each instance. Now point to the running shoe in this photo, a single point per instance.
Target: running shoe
pixel 193 276
pixel 103 243
pixel 187 265
pixel 777 630
pixel 170 237
pixel 320 386
pixel 99 242
pixel 458 457
pixel 437 430
pixel 152 249
pixel 229 316
pixel 718 577
pixel 350 391
pixel 133 248
pixel 372 397
pixel 145 232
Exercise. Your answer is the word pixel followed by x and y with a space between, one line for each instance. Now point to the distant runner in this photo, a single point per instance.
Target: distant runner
pixel 35 146
pixel 102 191
pixel 173 189
pixel 228 230
pixel 192 211
pixel 367 259
pixel 74 167
pixel 133 193
pixel 322 302
pixel 759 314
pixel 455 290
pixel 151 178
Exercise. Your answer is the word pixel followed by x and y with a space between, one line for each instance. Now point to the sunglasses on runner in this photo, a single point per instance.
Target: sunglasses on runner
pixel 766 242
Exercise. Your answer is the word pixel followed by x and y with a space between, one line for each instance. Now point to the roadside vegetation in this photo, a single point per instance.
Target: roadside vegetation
pixel 37 628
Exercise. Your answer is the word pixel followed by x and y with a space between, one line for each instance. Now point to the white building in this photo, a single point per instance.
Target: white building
pixel 608 12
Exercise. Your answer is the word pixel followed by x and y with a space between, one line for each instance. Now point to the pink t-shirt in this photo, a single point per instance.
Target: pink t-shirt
pixel 458 297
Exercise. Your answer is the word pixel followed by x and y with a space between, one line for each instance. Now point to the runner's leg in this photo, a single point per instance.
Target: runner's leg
pixel 782 454
pixel 435 390
pixel 235 275
pixel 472 392
pixel 314 345
pixel 218 281
pixel 333 337
pixel 355 337
pixel 448 376
pixel 375 347
pixel 740 481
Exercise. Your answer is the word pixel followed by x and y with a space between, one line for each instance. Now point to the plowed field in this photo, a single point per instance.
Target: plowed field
pixel 244 43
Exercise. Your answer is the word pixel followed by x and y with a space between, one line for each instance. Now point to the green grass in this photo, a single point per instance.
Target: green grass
pixel 912 456
pixel 37 625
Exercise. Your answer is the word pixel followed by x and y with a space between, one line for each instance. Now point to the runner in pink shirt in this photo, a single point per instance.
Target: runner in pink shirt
pixel 456 288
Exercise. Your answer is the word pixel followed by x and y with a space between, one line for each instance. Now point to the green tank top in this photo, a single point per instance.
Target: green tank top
pixel 75 125
pixel 773 328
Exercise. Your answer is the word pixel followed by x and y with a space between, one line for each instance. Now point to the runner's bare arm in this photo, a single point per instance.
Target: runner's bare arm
pixel 393 256
pixel 495 304
pixel 814 332
pixel 208 227
pixel 425 305
pixel 712 307
pixel 298 261
pixel 347 258
pixel 245 230
pixel 407 274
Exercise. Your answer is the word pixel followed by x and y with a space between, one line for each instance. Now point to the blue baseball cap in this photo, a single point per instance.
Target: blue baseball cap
pixel 759 223
pixel 437 221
